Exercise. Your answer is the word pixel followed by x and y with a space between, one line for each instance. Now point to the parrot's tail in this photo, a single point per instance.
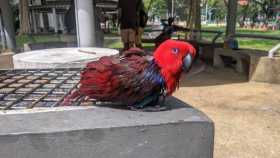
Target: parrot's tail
pixel 68 100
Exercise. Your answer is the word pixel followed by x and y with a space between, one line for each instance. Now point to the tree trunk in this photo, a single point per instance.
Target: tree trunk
pixel 197 15
pixel 231 17
pixel 194 15
pixel 24 17
pixel 194 19
pixel 169 8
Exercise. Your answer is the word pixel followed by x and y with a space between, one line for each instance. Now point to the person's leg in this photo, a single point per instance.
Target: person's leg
pixel 139 37
pixel 124 38
pixel 131 38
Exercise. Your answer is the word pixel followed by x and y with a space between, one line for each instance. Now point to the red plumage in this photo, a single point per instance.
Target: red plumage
pixel 170 61
pixel 104 79
pixel 132 78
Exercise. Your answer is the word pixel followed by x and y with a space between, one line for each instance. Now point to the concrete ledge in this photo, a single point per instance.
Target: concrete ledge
pixel 233 56
pixel 244 58
pixel 104 132
pixel 265 69
pixel 6 60
pixel 208 50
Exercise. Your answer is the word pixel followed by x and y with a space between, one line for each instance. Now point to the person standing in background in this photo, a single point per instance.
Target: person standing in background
pixel 128 20
pixel 142 21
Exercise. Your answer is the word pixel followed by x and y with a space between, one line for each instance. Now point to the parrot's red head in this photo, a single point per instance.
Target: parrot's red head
pixel 173 57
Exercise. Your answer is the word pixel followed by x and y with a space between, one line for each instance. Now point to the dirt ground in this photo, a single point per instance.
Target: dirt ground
pixel 246 114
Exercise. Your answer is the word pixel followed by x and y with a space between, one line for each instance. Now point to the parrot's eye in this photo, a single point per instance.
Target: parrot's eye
pixel 175 51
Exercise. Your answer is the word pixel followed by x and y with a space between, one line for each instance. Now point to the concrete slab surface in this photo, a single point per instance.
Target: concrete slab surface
pixel 106 132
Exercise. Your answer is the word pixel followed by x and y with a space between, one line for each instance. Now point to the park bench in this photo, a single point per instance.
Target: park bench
pixel 243 60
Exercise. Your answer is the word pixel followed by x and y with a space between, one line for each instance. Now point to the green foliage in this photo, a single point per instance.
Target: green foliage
pixel 255 8
pixel 22 39
pixel 261 44
pixel 158 7
pixel 181 9
pixel 219 9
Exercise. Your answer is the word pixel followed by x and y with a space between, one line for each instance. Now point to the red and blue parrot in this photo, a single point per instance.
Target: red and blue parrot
pixel 133 80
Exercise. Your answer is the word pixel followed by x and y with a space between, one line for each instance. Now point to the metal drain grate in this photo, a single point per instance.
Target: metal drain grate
pixel 37 88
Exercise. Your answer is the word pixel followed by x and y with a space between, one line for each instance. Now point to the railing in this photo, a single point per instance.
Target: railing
pixel 271 51
pixel 218 33
pixel 256 36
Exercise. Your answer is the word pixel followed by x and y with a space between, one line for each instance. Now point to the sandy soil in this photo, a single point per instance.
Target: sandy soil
pixel 246 114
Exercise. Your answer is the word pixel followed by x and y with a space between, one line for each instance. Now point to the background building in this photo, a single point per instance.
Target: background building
pixel 58 16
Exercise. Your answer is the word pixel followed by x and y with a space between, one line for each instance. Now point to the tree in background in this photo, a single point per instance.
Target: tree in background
pixel 249 11
pixel 181 9
pixel 184 10
pixel 218 9
pixel 24 17
pixel 194 15
pixel 266 9
pixel 254 12
pixel 157 8
pixel 258 11
pixel 243 12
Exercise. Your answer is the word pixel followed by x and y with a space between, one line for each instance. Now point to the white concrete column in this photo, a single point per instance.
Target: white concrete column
pixel 41 19
pixel 61 23
pixel 85 23
pixel 34 22
pixel 2 35
pixel 8 25
pixel 54 20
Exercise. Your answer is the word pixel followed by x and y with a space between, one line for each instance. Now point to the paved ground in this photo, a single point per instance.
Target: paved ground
pixel 246 115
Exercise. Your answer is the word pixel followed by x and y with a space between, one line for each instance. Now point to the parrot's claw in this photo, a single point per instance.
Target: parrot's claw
pixel 155 108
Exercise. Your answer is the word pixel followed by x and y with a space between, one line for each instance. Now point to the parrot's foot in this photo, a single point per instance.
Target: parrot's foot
pixel 151 103
pixel 154 108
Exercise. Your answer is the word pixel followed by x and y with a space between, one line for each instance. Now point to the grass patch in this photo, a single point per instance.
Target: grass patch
pixel 257 44
pixel 117 44
pixel 113 43
pixel 22 39
pixel 250 43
